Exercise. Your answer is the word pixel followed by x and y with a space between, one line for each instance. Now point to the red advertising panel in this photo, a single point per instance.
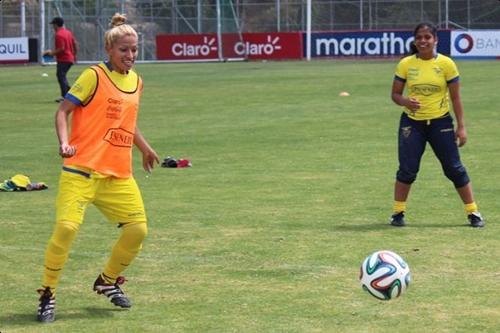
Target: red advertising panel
pixel 186 47
pixel 286 45
pixel 249 45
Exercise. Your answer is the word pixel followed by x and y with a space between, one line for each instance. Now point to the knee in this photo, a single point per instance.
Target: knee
pixel 63 235
pixel 65 230
pixel 135 233
pixel 142 230
pixel 405 176
pixel 458 175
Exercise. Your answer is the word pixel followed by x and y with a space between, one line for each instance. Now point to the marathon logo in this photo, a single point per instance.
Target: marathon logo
pixel 360 44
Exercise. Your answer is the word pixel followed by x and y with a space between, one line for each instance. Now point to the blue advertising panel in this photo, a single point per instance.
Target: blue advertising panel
pixel 368 43
pixel 444 43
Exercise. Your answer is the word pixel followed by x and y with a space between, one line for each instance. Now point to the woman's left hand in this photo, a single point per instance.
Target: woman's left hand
pixel 148 160
pixel 461 136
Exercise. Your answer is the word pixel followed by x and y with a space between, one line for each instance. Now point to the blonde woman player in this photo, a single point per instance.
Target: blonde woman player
pixel 97 166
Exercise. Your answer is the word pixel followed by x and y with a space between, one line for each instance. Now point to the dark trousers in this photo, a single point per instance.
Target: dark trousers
pixel 440 134
pixel 62 70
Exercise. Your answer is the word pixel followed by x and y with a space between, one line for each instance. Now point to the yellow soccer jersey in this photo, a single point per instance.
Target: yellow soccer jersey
pixel 427 81
pixel 82 91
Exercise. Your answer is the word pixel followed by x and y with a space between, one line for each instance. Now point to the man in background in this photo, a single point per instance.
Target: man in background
pixel 64 52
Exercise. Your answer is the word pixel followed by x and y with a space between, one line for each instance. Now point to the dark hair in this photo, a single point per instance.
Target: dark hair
pixel 427 25
pixel 57 21
pixel 431 27
pixel 413 48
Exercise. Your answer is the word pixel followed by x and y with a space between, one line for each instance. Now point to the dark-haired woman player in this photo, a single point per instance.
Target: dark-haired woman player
pixel 430 79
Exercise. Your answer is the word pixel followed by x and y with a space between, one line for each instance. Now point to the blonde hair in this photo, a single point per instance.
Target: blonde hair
pixel 118 29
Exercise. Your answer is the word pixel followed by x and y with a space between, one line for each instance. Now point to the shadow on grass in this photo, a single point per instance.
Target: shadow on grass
pixel 103 312
pixel 360 227
pixel 29 319
pixel 380 226
pixel 438 225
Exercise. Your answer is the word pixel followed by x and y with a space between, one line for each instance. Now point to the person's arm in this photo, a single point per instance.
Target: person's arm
pixel 397 97
pixel 56 50
pixel 60 45
pixel 458 110
pixel 53 52
pixel 62 124
pixel 149 156
pixel 75 47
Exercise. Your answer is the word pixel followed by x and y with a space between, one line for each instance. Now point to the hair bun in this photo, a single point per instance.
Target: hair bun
pixel 117 20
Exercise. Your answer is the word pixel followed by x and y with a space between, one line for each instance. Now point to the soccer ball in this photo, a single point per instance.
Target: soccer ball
pixel 385 275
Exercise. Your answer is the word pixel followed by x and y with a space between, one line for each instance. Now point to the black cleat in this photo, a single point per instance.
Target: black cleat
pixel 476 220
pixel 47 308
pixel 398 220
pixel 112 291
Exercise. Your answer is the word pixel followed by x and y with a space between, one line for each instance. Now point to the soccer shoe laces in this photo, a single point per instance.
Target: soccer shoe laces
pixel 46 308
pixel 113 291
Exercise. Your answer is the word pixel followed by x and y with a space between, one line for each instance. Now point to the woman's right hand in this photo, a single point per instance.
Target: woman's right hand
pixel 412 104
pixel 66 150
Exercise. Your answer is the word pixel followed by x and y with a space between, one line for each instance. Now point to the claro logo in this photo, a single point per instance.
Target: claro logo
pixel 195 50
pixel 249 48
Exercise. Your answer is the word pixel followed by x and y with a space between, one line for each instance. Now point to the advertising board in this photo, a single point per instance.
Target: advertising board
pixel 14 50
pixel 368 43
pixel 246 45
pixel 475 44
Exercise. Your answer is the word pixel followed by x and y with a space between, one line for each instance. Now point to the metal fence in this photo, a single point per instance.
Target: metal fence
pixel 88 19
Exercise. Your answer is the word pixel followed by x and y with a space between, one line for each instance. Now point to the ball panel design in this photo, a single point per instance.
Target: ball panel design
pixel 385 275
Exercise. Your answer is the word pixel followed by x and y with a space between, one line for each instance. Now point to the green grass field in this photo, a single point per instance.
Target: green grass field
pixel 290 189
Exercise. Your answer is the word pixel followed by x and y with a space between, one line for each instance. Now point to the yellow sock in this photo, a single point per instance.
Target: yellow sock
pixel 125 250
pixel 57 252
pixel 470 208
pixel 399 206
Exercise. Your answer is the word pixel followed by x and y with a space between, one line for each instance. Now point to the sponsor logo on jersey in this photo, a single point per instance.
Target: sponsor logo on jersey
pixel 119 137
pixel 425 89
